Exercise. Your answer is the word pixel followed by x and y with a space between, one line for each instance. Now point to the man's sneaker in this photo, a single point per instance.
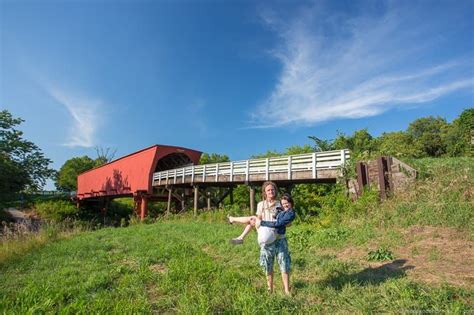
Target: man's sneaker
pixel 236 241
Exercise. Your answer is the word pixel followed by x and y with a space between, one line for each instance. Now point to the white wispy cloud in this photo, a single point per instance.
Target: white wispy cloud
pixel 85 117
pixel 338 66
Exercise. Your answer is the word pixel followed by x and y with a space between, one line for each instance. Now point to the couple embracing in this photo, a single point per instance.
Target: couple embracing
pixel 271 220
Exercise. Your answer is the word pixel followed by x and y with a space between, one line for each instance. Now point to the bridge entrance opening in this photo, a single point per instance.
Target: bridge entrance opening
pixel 173 160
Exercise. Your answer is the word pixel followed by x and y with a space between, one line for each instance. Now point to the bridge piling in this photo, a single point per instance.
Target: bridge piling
pixel 183 201
pixel 168 208
pixel 196 199
pixel 208 197
pixel 252 200
pixel 143 207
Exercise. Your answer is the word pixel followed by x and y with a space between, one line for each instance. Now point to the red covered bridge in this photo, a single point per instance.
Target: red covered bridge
pixel 132 175
pixel 171 173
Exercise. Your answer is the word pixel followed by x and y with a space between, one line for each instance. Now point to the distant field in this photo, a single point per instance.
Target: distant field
pixel 187 266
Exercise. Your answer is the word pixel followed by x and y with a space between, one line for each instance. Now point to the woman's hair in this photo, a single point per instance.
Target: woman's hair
pixel 265 184
pixel 287 197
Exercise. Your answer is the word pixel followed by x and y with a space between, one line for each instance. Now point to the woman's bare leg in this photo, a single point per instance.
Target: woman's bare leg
pixel 246 231
pixel 249 221
pixel 242 220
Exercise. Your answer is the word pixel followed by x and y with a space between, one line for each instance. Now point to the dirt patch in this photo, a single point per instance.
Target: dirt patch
pixel 158 268
pixel 434 255
pixel 153 296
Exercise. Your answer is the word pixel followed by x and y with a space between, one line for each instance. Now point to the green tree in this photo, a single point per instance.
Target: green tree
pixel 321 145
pixel 66 180
pixel 398 144
pixel 22 164
pixel 361 143
pixel 458 136
pixel 207 158
pixel 12 177
pixel 343 141
pixel 297 149
pixel 427 134
pixel 267 154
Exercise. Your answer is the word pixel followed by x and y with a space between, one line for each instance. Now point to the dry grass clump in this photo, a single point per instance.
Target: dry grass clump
pixel 16 239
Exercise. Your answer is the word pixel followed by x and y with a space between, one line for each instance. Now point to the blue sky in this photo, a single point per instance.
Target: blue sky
pixel 230 77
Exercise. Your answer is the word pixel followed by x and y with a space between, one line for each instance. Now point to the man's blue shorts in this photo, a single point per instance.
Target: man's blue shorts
pixel 278 249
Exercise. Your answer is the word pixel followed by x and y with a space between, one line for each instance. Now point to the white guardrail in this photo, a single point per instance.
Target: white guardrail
pixel 286 164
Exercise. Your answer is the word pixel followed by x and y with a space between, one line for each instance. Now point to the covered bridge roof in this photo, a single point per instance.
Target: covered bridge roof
pixel 133 173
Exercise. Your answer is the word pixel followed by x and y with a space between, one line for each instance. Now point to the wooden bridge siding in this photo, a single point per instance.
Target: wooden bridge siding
pixel 312 167
pixel 304 176
pixel 316 167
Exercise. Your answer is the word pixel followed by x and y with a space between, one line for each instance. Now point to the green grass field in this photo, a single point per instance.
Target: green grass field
pixel 186 265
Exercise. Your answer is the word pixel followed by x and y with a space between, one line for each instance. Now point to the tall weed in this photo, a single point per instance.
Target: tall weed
pixel 56 210
pixel 18 239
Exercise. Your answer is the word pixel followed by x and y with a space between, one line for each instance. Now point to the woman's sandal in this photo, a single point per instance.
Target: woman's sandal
pixel 236 241
pixel 228 220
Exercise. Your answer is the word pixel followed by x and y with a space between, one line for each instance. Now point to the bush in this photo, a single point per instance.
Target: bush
pixel 120 208
pixel 381 254
pixel 5 216
pixel 56 210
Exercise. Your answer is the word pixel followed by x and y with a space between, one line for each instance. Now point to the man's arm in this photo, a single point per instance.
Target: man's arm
pixel 283 219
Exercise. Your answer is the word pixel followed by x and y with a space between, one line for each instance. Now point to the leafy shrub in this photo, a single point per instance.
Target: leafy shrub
pixel 5 216
pixel 337 234
pixel 236 210
pixel 300 239
pixel 333 236
pixel 369 200
pixel 56 210
pixel 335 204
pixel 380 254
pixel 120 208
pixel 134 220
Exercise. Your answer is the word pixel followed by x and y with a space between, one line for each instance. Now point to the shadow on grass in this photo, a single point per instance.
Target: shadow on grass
pixel 299 263
pixel 370 276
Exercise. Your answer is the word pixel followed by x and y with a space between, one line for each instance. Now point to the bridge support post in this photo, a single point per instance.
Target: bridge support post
pixel 183 201
pixel 196 199
pixel 208 196
pixel 143 207
pixel 105 208
pixel 362 177
pixel 252 200
pixel 383 171
pixel 168 208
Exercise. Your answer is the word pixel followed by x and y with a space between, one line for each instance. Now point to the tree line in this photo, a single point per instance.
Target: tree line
pixel 424 137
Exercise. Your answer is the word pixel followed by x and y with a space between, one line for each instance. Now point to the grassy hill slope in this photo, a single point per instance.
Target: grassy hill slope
pixel 189 267
pixel 186 265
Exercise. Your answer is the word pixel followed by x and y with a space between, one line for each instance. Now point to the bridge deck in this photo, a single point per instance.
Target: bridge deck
pixel 308 167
